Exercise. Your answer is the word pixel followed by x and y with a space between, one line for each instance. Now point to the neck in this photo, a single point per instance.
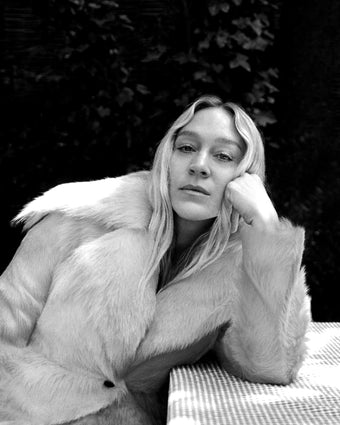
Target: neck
pixel 188 231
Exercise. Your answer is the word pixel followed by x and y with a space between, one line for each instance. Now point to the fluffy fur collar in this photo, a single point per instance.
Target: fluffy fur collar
pixel 112 202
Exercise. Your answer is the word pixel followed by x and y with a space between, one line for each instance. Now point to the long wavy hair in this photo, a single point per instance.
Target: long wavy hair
pixel 210 246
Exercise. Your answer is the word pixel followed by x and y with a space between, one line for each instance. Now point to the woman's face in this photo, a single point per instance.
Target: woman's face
pixel 205 158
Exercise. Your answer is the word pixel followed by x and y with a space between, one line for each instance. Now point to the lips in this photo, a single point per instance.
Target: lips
pixel 193 188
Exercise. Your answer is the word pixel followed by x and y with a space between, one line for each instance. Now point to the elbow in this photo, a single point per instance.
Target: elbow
pixel 278 373
pixel 271 377
pixel 275 378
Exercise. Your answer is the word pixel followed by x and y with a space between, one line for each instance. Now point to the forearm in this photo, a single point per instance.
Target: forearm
pixel 266 339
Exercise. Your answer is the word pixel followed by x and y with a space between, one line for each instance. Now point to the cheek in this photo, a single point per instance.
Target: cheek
pixel 172 175
pixel 218 198
pixel 174 182
pixel 221 185
pixel 176 170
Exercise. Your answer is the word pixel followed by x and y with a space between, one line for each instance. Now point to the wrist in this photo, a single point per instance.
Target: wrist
pixel 267 224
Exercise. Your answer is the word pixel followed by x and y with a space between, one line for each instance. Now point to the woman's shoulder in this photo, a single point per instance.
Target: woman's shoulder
pixel 111 202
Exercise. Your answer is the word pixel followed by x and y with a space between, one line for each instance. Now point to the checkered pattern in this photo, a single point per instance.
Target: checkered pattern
pixel 206 394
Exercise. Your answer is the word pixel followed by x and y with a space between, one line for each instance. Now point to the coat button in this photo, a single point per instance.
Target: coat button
pixel 108 384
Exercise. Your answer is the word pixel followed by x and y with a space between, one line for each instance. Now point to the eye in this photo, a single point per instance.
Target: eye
pixel 185 148
pixel 224 157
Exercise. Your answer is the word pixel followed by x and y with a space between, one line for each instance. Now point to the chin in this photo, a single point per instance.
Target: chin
pixel 194 213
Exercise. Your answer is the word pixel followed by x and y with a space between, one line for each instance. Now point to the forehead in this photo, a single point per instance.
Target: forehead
pixel 214 124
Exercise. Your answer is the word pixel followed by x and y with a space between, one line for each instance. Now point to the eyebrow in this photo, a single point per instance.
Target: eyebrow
pixel 219 139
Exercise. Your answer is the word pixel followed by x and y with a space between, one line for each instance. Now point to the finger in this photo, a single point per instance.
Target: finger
pixel 228 197
pixel 234 221
pixel 231 186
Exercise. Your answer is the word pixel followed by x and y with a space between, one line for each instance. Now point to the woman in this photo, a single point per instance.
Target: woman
pixel 121 279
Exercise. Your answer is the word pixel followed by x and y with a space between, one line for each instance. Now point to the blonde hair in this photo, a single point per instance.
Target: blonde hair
pixel 210 246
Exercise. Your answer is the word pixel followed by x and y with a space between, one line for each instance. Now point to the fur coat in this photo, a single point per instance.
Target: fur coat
pixel 79 334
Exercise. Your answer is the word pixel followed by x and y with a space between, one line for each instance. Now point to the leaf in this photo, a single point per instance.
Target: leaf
pixel 82 48
pixel 125 96
pixel 103 112
pixel 224 7
pixel 202 76
pixel 101 22
pixel 273 72
pixel 110 3
pixel 218 68
pixel 125 19
pixel 241 39
pixel 155 54
pixel 94 6
pixel 77 2
pixel 259 44
pixel 265 118
pixel 181 58
pixel 54 78
pixel 271 87
pixel 142 89
pixel 222 39
pixel 250 98
pixel 257 26
pixel 95 126
pixel 213 9
pixel 204 44
pixel 240 61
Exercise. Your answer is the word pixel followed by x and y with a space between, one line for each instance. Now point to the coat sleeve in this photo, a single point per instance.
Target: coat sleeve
pixel 266 339
pixel 24 285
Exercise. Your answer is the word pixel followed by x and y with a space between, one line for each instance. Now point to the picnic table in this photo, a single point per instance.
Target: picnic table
pixel 205 394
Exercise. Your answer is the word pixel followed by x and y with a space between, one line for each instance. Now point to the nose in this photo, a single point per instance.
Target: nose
pixel 199 166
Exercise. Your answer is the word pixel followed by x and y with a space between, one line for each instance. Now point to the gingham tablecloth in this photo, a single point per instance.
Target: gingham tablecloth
pixel 206 394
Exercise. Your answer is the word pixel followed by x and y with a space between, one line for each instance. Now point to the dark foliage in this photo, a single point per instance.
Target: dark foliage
pixel 98 83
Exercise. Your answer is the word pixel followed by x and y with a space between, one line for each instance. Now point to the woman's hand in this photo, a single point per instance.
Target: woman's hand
pixel 249 198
